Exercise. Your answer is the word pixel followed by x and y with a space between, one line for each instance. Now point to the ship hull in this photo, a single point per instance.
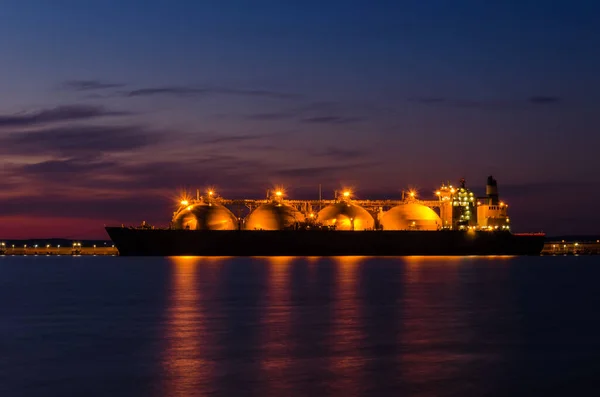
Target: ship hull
pixel 159 242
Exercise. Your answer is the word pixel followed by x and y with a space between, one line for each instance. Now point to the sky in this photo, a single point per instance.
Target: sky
pixel 109 108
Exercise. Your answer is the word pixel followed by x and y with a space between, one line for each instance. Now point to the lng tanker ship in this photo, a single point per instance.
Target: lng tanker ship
pixel 456 222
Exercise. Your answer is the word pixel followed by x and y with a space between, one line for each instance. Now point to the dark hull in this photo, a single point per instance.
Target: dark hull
pixel 151 242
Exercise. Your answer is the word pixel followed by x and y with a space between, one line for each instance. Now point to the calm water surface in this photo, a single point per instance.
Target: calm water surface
pixel 109 326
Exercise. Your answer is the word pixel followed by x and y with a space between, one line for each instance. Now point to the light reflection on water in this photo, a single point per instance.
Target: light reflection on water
pixel 275 349
pixel 347 335
pixel 413 326
pixel 188 339
pixel 409 318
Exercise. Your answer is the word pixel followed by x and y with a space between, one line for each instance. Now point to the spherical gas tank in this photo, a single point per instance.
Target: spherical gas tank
pixel 411 216
pixel 206 216
pixel 274 216
pixel 346 216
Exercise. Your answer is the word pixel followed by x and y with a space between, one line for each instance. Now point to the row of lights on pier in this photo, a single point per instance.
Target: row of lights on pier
pixel 3 244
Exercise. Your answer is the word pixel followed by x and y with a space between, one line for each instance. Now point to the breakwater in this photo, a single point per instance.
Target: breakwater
pixel 563 247
pixel 40 248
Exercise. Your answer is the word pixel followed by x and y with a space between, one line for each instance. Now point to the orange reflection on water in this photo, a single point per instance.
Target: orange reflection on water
pixel 453 258
pixel 188 369
pixel 276 327
pixel 433 258
pixel 279 261
pixel 347 335
pixel 417 265
pixel 198 259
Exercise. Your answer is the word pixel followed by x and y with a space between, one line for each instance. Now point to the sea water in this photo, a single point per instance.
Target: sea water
pixel 346 326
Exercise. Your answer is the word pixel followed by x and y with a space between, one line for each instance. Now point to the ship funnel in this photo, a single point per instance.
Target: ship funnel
pixel 491 190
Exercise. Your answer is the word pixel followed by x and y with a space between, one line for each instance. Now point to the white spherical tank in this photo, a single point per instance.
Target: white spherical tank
pixel 346 216
pixel 274 216
pixel 411 216
pixel 205 216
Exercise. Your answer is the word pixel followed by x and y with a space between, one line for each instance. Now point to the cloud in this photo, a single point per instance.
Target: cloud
pixel 75 141
pixel 257 93
pixel 323 171
pixel 460 103
pixel 217 139
pixel 206 91
pixel 324 112
pixel 89 85
pixel 68 166
pixel 270 116
pixel 332 120
pixel 312 113
pixel 480 103
pixel 260 147
pixel 232 139
pixel 176 91
pixel 340 154
pixel 231 176
pixel 210 167
pixel 76 207
pixel 101 173
pixel 303 172
pixel 541 100
pixel 57 114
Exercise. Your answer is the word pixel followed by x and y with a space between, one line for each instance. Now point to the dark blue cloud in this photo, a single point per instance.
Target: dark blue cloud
pixel 328 172
pixel 56 115
pixel 206 91
pixel 76 141
pixel 79 207
pixel 339 154
pixel 332 120
pixel 89 85
pixel 270 116
pixel 232 139
pixel 485 103
pixel 69 167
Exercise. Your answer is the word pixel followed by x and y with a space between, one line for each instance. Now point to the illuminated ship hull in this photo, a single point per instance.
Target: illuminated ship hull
pixel 160 242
